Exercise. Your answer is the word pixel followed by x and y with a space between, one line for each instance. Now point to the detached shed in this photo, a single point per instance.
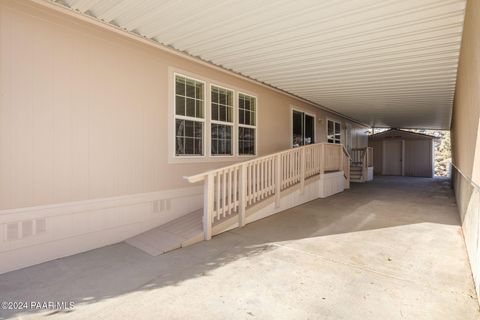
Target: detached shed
pixel 402 153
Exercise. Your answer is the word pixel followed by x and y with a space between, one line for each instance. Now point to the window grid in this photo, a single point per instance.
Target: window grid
pixel 221 127
pixel 246 110
pixel 189 116
pixel 334 132
pixel 247 124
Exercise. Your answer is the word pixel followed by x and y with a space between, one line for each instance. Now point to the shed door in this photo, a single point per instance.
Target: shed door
pixel 393 158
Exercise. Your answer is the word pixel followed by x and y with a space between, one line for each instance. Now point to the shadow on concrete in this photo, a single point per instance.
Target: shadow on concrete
pixel 121 269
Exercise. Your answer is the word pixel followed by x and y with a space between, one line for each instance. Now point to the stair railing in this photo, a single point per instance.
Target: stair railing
pixel 362 157
pixel 232 189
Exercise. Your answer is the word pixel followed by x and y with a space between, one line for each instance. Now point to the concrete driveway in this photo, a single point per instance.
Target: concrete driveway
pixel 389 249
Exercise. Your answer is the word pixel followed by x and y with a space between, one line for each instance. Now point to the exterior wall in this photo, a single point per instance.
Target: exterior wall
pixel 466 137
pixel 84 120
pixel 418 160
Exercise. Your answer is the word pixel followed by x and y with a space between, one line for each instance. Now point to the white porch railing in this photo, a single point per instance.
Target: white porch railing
pixel 231 190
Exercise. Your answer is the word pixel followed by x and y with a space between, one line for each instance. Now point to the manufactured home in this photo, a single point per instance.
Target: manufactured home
pixel 149 148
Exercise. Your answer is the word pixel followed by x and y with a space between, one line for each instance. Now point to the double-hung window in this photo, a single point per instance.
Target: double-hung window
pixel 334 132
pixel 247 124
pixel 189 116
pixel 221 127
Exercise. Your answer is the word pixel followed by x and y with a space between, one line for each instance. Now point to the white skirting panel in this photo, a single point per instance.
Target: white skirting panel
pixel 33 235
pixel 326 185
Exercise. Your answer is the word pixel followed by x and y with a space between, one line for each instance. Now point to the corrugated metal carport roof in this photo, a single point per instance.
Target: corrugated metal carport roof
pixel 383 62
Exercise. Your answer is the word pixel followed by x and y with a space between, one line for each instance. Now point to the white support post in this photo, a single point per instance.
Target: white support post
pixel 278 180
pixel 243 195
pixel 208 206
pixel 302 170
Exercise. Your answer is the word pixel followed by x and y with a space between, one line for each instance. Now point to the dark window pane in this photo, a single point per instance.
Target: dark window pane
pixel 180 146
pixel 214 95
pixel 190 89
pixel 189 128
pixel 180 85
pixel 223 98
pixel 199 90
pixel 214 111
pixel 190 107
pixel 241 114
pixel 180 105
pixel 223 113
pixel 247 117
pixel 297 129
pixel 189 146
pixel 309 130
pixel 241 103
pixel 229 114
pixel 214 146
pixel 228 148
pixel 198 130
pixel 229 132
pixel 189 135
pixel 180 127
pixel 199 109
pixel 221 139
pixel 214 131
pixel 330 127
pixel 198 146
pixel 247 104
pixel 246 141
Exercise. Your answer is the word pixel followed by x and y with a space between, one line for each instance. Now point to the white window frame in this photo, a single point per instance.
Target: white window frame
pixel 295 108
pixel 247 126
pixel 175 117
pixel 326 129
pixel 232 124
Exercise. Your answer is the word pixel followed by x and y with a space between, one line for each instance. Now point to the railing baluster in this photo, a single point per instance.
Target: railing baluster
pixel 254 185
pixel 224 193
pixel 242 194
pixel 218 196
pixel 230 172
pixel 302 170
pixel 265 178
pixel 278 178
pixel 248 183
pixel 235 196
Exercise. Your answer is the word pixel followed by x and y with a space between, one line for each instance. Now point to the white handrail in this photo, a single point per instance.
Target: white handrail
pixel 230 190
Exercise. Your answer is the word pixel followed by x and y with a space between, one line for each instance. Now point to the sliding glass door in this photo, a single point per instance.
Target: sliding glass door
pixel 303 126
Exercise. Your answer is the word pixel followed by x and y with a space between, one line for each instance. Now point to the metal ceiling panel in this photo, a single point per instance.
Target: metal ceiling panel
pixel 382 62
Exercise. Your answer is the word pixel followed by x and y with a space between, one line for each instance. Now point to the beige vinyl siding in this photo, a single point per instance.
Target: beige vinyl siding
pixel 84 112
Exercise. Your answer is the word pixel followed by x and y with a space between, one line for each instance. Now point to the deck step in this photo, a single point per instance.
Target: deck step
pixel 175 234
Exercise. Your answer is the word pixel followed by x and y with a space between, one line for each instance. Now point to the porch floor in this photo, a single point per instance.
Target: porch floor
pixel 387 249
